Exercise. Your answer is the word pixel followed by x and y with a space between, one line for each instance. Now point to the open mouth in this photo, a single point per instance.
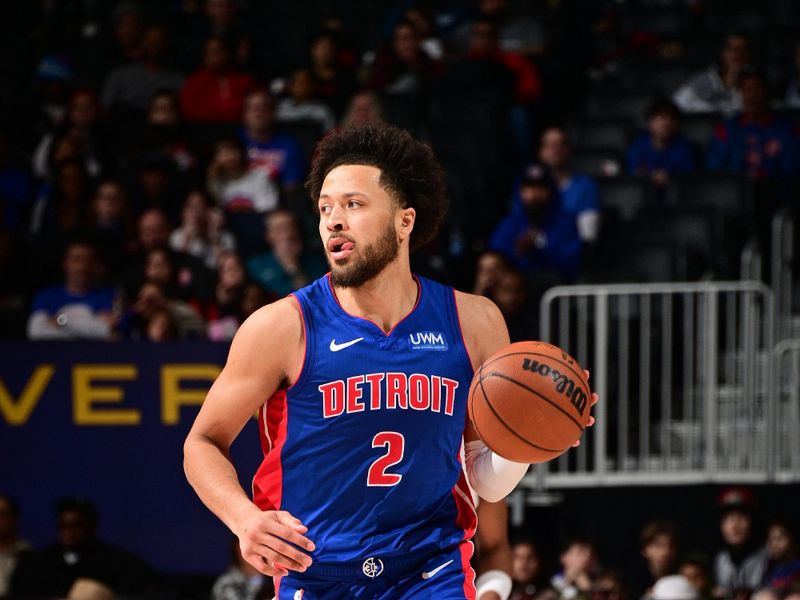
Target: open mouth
pixel 340 247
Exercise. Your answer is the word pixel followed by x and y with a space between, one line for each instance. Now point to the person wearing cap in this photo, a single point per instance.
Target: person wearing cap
pixel 739 567
pixel 673 587
pixel 538 234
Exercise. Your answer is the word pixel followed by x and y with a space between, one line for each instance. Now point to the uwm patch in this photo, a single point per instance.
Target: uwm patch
pixel 427 340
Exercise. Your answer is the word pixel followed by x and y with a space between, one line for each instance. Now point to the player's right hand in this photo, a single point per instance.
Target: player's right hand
pixel 266 538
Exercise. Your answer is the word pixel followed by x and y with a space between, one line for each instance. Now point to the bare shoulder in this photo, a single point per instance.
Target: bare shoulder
pixel 483 326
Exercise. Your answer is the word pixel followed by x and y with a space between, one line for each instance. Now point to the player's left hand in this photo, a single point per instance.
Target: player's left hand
pixel 595 398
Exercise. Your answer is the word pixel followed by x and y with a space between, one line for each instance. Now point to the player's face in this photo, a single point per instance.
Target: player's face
pixel 358 223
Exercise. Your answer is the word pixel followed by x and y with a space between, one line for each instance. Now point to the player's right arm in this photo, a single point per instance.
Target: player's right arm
pixel 266 353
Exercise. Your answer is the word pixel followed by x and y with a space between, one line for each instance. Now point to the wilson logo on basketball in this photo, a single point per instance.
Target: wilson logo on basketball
pixel 563 383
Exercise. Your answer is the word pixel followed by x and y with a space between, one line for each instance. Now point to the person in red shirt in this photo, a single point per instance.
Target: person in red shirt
pixel 215 92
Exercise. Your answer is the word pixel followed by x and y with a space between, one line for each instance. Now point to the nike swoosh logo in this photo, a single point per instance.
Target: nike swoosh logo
pixel 429 574
pixel 336 347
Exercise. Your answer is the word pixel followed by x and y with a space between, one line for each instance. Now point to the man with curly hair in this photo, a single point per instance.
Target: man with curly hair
pixel 365 373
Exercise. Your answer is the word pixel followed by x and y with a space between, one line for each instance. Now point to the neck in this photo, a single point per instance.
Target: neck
pixel 659 143
pixel 76 288
pixel 260 135
pixel 561 175
pixel 386 299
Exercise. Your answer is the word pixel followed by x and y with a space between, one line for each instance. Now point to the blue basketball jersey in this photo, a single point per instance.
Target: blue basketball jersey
pixel 364 448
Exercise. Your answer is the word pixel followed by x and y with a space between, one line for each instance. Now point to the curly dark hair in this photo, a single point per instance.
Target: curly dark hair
pixel 409 171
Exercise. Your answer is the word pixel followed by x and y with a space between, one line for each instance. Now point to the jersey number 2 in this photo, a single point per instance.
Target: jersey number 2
pixel 395 445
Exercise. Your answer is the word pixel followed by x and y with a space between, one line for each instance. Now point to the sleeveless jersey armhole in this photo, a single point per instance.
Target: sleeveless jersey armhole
pixel 308 336
pixel 455 319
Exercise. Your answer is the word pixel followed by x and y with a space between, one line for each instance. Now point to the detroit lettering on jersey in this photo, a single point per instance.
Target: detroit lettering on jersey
pixel 388 391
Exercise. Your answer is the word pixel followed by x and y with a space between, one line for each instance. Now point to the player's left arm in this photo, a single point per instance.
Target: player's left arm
pixel 485 332
pixel 495 559
pixel 490 475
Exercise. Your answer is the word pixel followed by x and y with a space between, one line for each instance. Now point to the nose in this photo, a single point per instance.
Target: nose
pixel 336 219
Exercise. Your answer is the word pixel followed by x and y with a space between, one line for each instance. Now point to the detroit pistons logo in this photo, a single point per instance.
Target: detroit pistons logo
pixel 372 567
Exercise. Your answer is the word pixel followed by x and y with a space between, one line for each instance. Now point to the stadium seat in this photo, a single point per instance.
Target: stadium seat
pixel 700 127
pixel 630 102
pixel 611 133
pixel 598 162
pixel 721 192
pixel 627 196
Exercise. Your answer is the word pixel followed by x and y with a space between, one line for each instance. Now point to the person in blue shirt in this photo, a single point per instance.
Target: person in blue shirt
pixel 539 234
pixel 278 155
pixel 662 151
pixel 78 309
pixel 579 194
pixel 756 142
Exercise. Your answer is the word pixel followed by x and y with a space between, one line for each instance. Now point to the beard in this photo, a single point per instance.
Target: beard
pixel 374 259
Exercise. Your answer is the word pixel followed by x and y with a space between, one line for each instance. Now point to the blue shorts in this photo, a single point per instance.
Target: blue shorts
pixel 446 575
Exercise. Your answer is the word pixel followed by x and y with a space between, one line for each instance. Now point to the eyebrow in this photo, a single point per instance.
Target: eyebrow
pixel 345 195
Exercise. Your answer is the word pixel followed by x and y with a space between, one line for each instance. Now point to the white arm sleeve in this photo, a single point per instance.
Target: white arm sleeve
pixel 491 476
pixel 494 581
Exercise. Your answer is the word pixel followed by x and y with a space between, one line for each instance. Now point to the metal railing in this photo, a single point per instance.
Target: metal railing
pixel 683 371
pixel 784 389
pixel 781 271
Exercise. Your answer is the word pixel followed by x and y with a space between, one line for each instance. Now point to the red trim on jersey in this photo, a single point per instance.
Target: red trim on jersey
pixel 268 481
pixel 461 331
pixel 305 340
pixel 469 574
pixel 467 517
pixel 276 581
pixel 386 333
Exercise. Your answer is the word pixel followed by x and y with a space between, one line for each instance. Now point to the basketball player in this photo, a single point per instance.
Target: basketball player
pixel 361 381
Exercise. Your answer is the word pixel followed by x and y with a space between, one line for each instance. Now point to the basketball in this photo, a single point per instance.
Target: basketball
pixel 529 402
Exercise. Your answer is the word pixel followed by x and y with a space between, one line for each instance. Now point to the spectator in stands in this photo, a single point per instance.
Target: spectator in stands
pixel 241 581
pixel 164 133
pixel 201 232
pixel 161 326
pixel 792 97
pixel 153 231
pixel 301 105
pixel 610 585
pixel 224 314
pixel 277 155
pixel 11 545
pixel 110 222
pixel 527 573
pixel 489 267
pixel 236 187
pixel 80 125
pixel 401 67
pixel 662 151
pixel 538 234
pixel 422 22
pixel 695 568
pixel 334 81
pixel 157 185
pixel 151 301
pixel 61 207
pixel 78 554
pixel 716 89
pixel 579 567
pixel 364 107
pixel 521 34
pixel 127 28
pixel 129 87
pixel 740 565
pixel 286 267
pixel 510 294
pixel 254 297
pixel 579 193
pixel 783 552
pixel 658 546
pixel 54 83
pixel 79 308
pixel 215 93
pixel 756 141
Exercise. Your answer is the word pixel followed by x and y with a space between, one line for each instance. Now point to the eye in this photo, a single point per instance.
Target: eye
pixel 324 209
pixel 353 204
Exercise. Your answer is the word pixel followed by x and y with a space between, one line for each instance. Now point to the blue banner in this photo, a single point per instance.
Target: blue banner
pixel 107 421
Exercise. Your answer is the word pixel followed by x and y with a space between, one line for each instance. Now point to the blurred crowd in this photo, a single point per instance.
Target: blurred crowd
pixel 152 155
pixel 751 562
